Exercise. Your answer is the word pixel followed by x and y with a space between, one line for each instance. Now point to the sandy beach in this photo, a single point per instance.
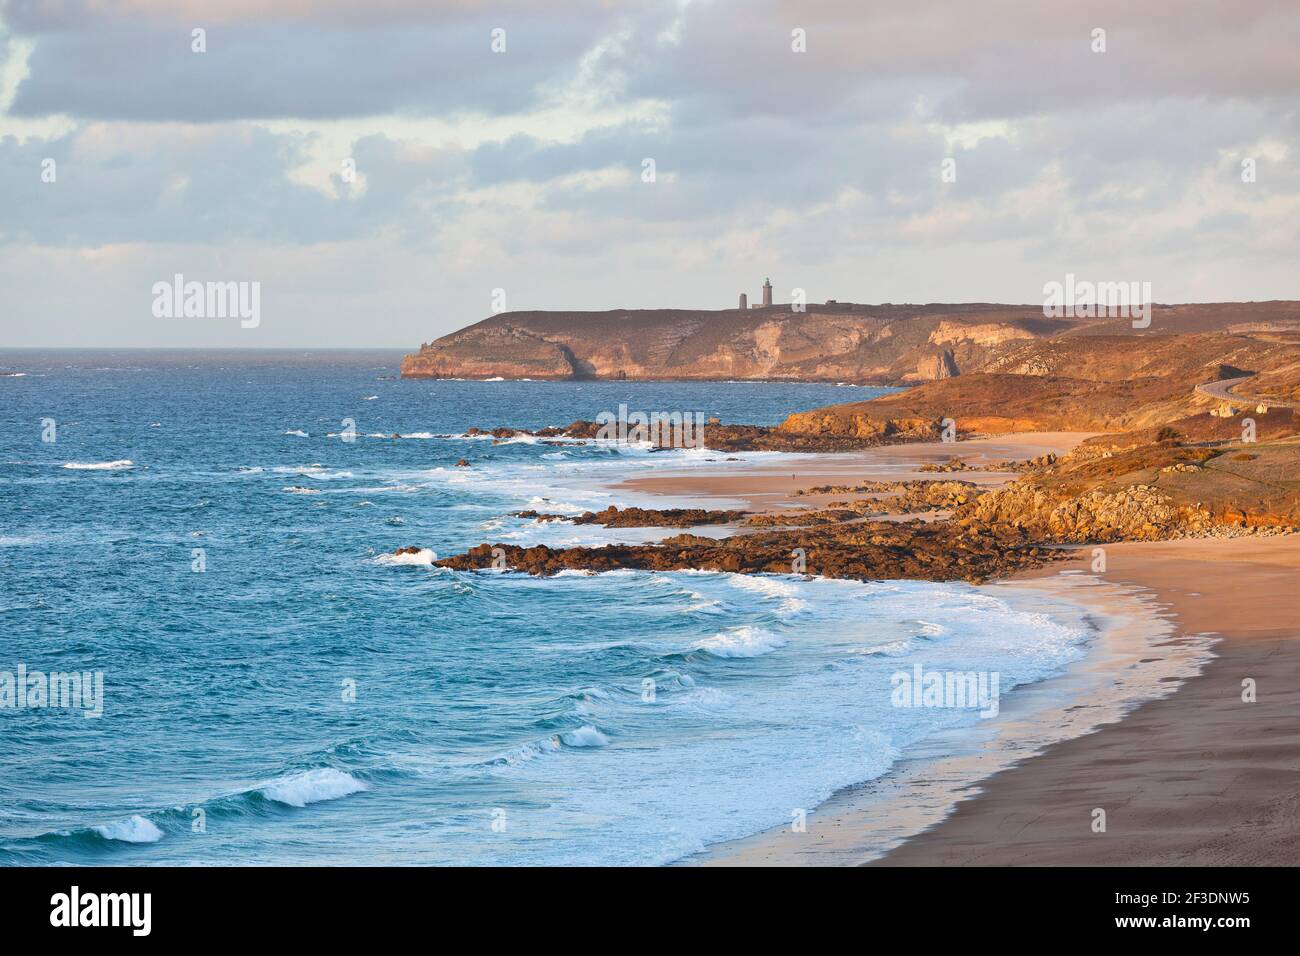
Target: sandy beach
pixel 1198 778
pixel 1187 773
pixel 766 486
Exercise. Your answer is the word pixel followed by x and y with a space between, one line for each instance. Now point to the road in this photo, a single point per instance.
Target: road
pixel 1222 390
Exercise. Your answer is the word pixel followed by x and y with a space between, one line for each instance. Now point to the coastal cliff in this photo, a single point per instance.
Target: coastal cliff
pixel 838 342
pixel 830 342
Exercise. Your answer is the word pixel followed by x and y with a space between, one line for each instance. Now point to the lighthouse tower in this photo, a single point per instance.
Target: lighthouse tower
pixel 767 292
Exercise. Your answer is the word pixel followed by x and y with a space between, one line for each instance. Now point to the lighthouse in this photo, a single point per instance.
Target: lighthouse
pixel 767 292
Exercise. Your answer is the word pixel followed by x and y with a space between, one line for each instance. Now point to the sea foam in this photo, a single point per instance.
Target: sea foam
pixel 743 641
pixel 135 829
pixel 312 786
pixel 100 465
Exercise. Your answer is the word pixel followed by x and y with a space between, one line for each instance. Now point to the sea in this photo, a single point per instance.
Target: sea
pixel 210 536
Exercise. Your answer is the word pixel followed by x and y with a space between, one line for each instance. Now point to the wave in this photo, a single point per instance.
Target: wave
pixel 118 465
pixel 297 432
pixel 775 588
pixel 424 558
pixel 311 786
pixel 743 641
pixel 584 736
pixel 311 471
pixel 134 829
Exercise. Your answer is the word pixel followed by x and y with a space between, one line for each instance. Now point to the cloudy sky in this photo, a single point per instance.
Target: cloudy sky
pixel 522 170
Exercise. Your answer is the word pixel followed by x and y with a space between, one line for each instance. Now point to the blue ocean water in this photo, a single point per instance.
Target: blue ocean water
pixel 307 699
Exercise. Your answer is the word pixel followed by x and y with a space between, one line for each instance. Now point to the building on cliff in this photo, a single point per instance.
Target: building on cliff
pixel 767 295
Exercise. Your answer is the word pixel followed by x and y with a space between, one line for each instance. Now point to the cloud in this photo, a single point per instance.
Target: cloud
pixel 136 62
pixel 522 170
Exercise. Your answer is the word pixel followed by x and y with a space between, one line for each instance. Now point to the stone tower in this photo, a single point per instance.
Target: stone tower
pixel 744 301
pixel 767 292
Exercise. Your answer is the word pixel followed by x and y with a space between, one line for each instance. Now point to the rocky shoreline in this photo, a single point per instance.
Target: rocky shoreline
pixel 727 438
pixel 1109 489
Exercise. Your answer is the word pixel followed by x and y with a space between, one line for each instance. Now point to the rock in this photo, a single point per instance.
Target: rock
pixel 613 517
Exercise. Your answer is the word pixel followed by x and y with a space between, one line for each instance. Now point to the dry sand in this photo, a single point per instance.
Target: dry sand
pixel 767 486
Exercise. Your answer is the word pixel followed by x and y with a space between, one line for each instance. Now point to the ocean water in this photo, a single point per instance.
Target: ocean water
pixel 308 699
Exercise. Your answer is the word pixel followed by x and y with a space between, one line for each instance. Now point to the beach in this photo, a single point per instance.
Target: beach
pixel 1198 778
pixel 768 486
pixel 1186 770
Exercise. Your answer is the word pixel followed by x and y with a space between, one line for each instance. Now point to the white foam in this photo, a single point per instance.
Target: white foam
pixel 585 736
pixel 135 829
pixel 312 786
pixel 889 648
pixel 773 587
pixel 743 641
pixel 100 465
pixel 298 432
pixel 423 557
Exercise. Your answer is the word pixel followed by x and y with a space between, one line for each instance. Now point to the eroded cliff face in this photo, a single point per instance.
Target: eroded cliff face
pixel 1085 373
pixel 831 342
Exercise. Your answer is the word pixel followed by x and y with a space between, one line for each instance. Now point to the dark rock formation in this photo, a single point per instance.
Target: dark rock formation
pixel 613 517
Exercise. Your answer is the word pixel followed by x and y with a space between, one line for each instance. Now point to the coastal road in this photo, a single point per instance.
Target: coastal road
pixel 1222 390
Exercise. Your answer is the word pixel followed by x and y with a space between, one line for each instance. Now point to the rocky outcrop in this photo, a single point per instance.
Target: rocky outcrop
pixel 863 551
pixel 857 423
pixel 792 436
pixel 1139 513
pixel 905 497
pixel 613 517
pixel 936 366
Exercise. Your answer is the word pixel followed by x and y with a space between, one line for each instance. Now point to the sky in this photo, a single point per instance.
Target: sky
pixel 392 170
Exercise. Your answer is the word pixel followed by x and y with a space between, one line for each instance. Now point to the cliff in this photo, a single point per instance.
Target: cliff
pixel 832 342
pixel 842 342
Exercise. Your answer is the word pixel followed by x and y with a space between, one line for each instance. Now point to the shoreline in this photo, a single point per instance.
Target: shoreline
pixel 1198 778
pixel 1132 657
pixel 1168 766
